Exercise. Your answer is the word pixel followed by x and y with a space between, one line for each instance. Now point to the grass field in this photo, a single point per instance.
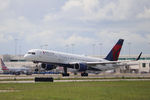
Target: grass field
pixel 122 90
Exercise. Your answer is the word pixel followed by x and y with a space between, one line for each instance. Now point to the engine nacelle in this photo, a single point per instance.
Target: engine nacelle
pixel 47 66
pixel 80 66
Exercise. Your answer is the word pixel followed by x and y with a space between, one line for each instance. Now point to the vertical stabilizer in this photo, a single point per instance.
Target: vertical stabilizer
pixel 115 51
pixel 3 66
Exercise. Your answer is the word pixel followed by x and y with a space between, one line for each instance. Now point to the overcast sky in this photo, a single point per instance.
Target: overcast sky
pixel 90 25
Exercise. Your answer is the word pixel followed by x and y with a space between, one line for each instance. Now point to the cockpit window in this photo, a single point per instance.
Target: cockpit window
pixel 33 53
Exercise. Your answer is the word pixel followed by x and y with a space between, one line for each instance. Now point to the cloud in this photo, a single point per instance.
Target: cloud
pixel 138 42
pixel 99 10
pixel 114 10
pixel 71 4
pixel 81 22
pixel 4 4
pixel 4 38
pixel 86 5
pixel 127 35
pixel 145 14
pixel 76 39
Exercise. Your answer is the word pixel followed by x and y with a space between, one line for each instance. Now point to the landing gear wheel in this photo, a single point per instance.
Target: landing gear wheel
pixel 75 73
pixel 65 74
pixel 84 74
pixel 36 70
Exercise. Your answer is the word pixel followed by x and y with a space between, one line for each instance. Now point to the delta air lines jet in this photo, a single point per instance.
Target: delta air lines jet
pixel 50 59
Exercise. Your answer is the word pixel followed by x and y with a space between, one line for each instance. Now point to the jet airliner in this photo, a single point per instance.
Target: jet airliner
pixel 14 70
pixel 51 59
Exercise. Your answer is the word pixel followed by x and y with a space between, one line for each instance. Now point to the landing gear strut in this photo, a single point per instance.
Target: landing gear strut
pixel 65 72
pixel 36 68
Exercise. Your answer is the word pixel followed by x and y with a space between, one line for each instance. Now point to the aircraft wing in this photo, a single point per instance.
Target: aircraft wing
pixel 115 62
pixel 109 62
pixel 129 63
pixel 97 63
pixel 118 63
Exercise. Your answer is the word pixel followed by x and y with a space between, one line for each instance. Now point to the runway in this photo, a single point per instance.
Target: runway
pixel 3 76
pixel 90 80
pixel 75 78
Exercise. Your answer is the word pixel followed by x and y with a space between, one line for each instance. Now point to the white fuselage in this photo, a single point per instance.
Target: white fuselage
pixel 58 57
pixel 79 62
pixel 53 57
pixel 16 69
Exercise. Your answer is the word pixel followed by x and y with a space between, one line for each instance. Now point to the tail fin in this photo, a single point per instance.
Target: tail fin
pixel 114 53
pixel 139 56
pixel 4 67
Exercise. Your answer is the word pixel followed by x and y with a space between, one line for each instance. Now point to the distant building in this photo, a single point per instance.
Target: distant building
pixel 142 66
pixel 16 61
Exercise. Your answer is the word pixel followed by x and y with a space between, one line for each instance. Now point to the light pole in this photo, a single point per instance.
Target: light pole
pixel 100 48
pixel 72 47
pixel 129 44
pixel 67 46
pixel 46 45
pixel 148 46
pixel 16 40
pixel 41 46
pixel 20 49
pixel 93 45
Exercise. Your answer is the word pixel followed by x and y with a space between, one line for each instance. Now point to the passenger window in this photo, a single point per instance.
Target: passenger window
pixel 143 65
pixel 33 53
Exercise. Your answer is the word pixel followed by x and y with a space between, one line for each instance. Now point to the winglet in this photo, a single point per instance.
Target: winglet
pixel 139 56
pixel 114 53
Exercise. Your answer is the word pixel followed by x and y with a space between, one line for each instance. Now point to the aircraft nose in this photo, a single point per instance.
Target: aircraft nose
pixel 26 57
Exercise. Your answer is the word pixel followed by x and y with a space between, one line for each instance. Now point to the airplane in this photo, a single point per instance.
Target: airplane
pixel 14 70
pixel 49 60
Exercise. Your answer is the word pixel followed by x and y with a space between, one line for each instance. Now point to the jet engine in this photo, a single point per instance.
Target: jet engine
pixel 47 66
pixel 80 66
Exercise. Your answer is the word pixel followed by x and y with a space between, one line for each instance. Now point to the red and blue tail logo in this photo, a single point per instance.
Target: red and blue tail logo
pixel 114 53
pixel 3 65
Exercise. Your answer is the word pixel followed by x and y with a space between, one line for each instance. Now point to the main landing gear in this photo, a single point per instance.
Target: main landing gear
pixel 84 74
pixel 65 72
